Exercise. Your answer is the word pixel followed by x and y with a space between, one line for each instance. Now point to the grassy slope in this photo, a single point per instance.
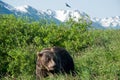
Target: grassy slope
pixel 98 62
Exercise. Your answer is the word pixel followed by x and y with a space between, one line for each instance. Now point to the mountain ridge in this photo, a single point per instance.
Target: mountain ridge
pixel 59 15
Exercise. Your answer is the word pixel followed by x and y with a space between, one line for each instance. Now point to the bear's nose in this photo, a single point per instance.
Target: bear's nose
pixel 52 65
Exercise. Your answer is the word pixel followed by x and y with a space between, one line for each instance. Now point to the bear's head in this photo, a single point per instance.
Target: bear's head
pixel 48 60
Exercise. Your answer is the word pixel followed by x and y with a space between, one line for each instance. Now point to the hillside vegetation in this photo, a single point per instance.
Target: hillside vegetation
pixel 96 53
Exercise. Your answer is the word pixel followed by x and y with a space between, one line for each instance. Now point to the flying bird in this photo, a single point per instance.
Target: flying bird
pixel 67 5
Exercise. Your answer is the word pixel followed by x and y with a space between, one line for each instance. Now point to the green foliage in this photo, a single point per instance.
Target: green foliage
pixel 16 34
pixel 21 61
pixel 96 53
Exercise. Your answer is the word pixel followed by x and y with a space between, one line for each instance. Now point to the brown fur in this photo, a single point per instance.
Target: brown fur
pixel 53 60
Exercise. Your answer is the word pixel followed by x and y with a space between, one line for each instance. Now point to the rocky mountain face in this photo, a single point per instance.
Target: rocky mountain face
pixel 24 11
pixel 59 15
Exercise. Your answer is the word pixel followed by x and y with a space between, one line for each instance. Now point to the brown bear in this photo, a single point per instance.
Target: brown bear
pixel 52 61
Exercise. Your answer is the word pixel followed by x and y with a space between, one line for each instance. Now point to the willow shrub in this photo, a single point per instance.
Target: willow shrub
pixel 17 35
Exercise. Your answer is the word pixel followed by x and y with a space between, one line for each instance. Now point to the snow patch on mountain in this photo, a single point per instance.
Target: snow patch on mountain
pixel 64 15
pixel 22 8
pixel 108 22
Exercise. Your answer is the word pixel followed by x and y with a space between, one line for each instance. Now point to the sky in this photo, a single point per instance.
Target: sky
pixel 94 8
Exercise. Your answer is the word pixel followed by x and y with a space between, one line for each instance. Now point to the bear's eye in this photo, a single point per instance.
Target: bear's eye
pixel 48 59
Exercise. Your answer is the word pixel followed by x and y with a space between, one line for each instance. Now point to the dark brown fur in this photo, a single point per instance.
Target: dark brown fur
pixel 53 60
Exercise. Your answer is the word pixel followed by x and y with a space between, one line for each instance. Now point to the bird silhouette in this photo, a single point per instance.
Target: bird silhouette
pixel 67 5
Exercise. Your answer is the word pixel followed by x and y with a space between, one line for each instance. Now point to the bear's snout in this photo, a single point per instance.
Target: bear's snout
pixel 51 65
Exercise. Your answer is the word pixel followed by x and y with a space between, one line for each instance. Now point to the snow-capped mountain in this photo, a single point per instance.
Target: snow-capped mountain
pixel 6 8
pixel 25 10
pixel 110 22
pixel 34 13
pixel 59 15
pixel 64 15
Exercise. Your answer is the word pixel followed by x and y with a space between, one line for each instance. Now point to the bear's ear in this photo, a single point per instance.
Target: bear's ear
pixel 52 49
pixel 39 54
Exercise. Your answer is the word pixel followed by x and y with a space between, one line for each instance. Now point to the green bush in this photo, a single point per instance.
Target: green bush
pixel 21 61
pixel 16 34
